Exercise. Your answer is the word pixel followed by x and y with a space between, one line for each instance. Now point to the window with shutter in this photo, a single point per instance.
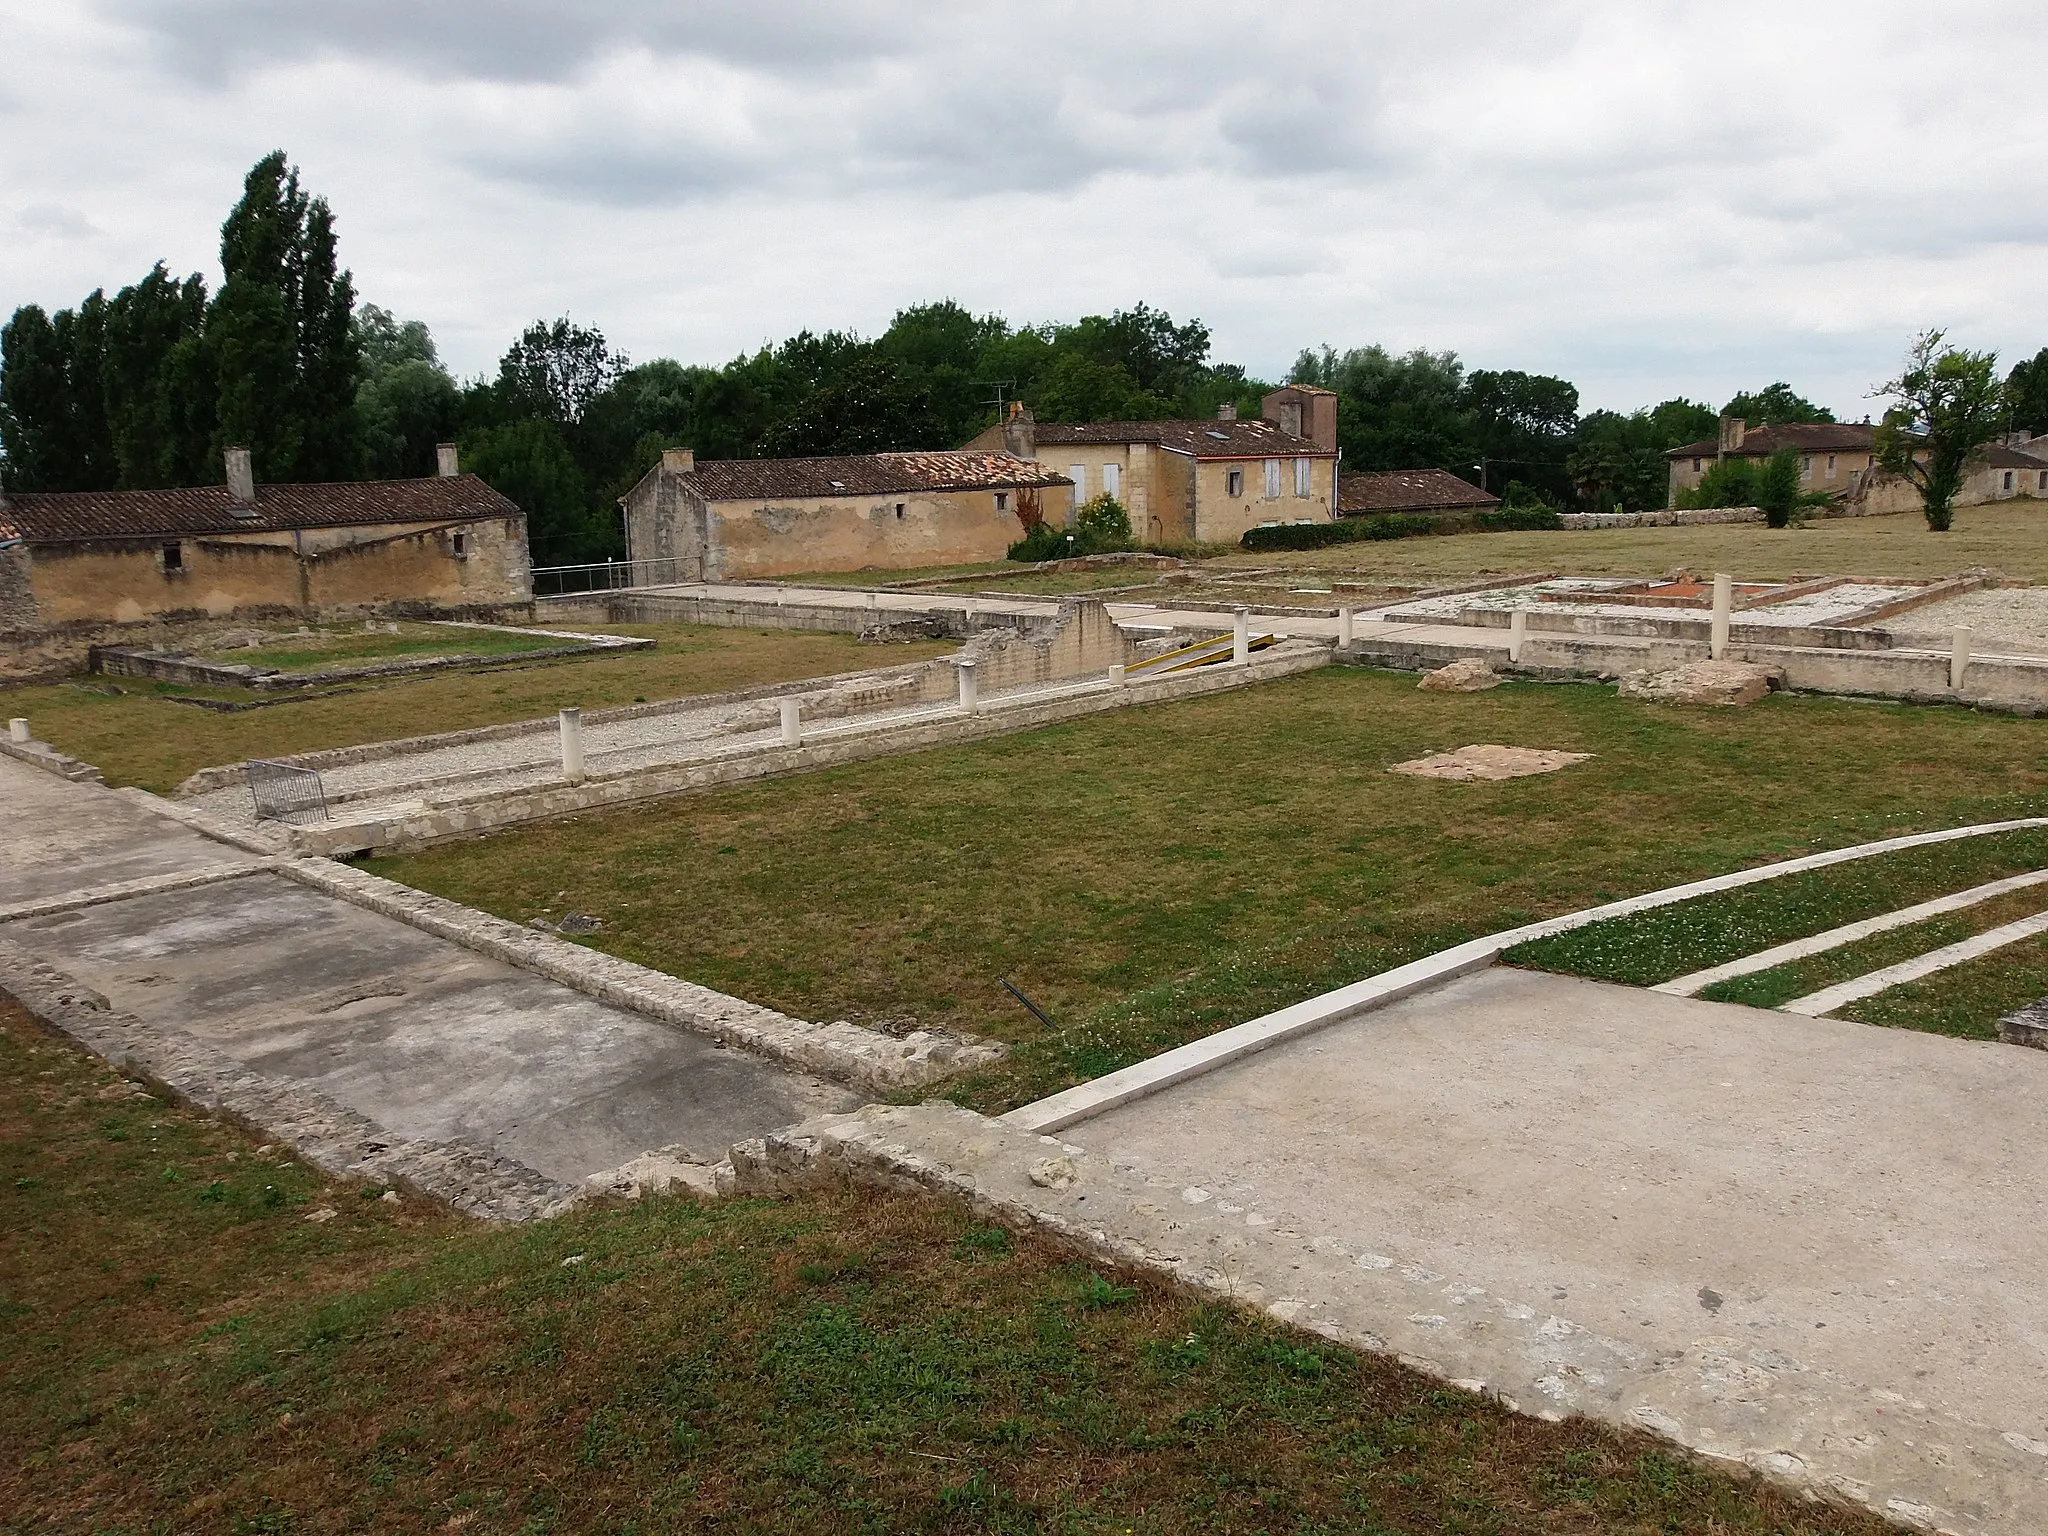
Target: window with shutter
pixel 1304 477
pixel 1078 473
pixel 1112 480
pixel 1272 479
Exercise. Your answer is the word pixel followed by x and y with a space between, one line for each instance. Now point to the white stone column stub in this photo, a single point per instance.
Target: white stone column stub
pixel 1959 654
pixel 571 721
pixel 792 723
pixel 1724 607
pixel 1240 635
pixel 1518 635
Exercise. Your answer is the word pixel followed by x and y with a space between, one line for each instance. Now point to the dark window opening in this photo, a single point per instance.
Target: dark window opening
pixel 174 556
pixel 1234 482
pixel 899 508
pixel 461 544
pixel 1002 501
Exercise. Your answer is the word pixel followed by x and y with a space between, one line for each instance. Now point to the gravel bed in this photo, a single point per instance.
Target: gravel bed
pixel 2010 615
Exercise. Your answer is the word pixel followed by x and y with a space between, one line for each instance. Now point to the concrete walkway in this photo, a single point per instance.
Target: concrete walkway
pixel 428 1044
pixel 1810 1246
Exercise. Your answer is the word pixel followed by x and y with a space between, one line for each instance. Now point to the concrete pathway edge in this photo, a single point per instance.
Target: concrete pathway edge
pixel 863 1059
pixel 333 1138
pixel 1083 1100
pixel 1818 1004
pixel 1502 1347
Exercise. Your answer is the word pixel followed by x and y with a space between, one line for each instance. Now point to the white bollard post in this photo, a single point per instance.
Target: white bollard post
pixel 1959 655
pixel 1344 629
pixel 970 687
pixel 572 745
pixel 792 724
pixel 1117 676
pixel 1518 634
pixel 1240 636
pixel 1724 605
pixel 17 730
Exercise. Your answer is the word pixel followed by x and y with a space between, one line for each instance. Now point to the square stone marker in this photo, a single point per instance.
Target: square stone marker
pixel 1489 762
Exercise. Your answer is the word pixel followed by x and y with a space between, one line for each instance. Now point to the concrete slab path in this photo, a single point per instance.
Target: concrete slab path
pixel 1771 1237
pixel 428 1040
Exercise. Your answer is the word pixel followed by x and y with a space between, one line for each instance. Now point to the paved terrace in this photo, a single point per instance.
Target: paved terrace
pixel 376 1048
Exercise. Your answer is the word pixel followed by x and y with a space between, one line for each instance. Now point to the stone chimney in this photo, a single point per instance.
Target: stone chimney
pixel 1733 430
pixel 678 461
pixel 1020 433
pixel 241 477
pixel 446 465
pixel 1227 411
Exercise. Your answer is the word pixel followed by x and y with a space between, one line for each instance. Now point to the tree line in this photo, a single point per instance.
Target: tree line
pixel 145 388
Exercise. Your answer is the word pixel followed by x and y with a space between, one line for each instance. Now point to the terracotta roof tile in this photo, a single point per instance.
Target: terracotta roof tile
pixel 1201 439
pixel 1803 437
pixel 866 474
pixel 1408 490
pixel 51 517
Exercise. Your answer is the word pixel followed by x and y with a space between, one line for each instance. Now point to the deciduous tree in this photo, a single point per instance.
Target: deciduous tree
pixel 1947 404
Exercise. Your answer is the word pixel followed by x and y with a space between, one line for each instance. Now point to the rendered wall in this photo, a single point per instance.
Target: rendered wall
pixel 900 532
pixel 1222 518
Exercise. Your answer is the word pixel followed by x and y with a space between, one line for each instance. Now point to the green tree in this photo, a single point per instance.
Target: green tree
pixel 1522 427
pixel 2026 394
pixel 280 334
pixel 556 369
pixel 35 402
pixel 154 332
pixel 1776 490
pixel 1618 461
pixel 1395 412
pixel 871 404
pixel 1727 483
pixel 530 464
pixel 406 401
pixel 1946 405
pixel 1078 387
pixel 1776 405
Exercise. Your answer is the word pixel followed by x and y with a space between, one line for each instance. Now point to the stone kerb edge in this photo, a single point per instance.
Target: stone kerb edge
pixel 1001 715
pixel 1083 1101
pixel 1507 1352
pixel 333 1138
pixel 861 1058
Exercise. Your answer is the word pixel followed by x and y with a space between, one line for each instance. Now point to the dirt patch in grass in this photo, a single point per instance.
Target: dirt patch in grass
pixel 140 732
pixel 1657 946
pixel 1157 874
pixel 176 1360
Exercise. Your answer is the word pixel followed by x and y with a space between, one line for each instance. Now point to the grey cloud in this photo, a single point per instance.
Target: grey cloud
pixel 57 221
pixel 211 41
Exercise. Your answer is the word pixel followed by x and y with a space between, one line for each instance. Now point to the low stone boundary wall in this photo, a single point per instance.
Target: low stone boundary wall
pixel 764 612
pixel 331 1137
pixel 1667 517
pixel 484 811
pixel 181 667
pixel 40 754
pixel 863 1059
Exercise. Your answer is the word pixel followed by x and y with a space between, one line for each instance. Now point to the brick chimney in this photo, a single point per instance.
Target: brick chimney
pixel 1733 430
pixel 241 477
pixel 1227 411
pixel 446 464
pixel 678 461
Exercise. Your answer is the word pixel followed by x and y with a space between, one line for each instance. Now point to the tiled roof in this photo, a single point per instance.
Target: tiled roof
pixel 66 516
pixel 866 474
pixel 1408 490
pixel 1201 439
pixel 2001 457
pixel 1803 437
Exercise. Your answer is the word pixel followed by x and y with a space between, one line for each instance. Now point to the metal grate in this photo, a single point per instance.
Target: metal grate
pixel 286 793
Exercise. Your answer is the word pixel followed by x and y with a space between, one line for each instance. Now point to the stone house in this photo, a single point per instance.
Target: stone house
pixel 1409 490
pixel 1838 458
pixel 1195 480
pixel 740 519
pixel 77 566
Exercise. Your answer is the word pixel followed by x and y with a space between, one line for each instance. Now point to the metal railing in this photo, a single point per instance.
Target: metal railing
pixel 604 576
pixel 284 792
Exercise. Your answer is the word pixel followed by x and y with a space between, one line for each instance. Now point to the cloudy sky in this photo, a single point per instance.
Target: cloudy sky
pixel 1650 197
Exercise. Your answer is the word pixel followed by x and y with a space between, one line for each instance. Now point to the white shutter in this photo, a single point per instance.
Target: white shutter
pixel 1304 481
pixel 1112 480
pixel 1272 479
pixel 1078 473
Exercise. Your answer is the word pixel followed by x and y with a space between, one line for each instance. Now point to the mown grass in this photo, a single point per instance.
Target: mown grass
pixel 344 647
pixel 1666 942
pixel 150 734
pixel 1155 875
pixel 1966 1001
pixel 1782 983
pixel 186 1350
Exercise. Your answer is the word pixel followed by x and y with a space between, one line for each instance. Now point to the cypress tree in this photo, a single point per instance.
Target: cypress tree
pixel 33 401
pixel 152 328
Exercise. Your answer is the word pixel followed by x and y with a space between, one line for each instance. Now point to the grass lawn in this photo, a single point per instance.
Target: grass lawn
pixel 142 733
pixel 1157 874
pixel 2011 537
pixel 1651 947
pixel 343 647
pixel 189 1349
pixel 1967 1000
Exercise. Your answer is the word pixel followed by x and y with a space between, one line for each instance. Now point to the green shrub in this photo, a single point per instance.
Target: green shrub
pixel 1101 527
pixel 1728 483
pixel 1776 488
pixel 1395 525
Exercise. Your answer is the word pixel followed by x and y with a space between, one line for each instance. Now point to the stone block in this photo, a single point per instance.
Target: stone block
pixel 1703 682
pixel 2026 1026
pixel 1468 675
